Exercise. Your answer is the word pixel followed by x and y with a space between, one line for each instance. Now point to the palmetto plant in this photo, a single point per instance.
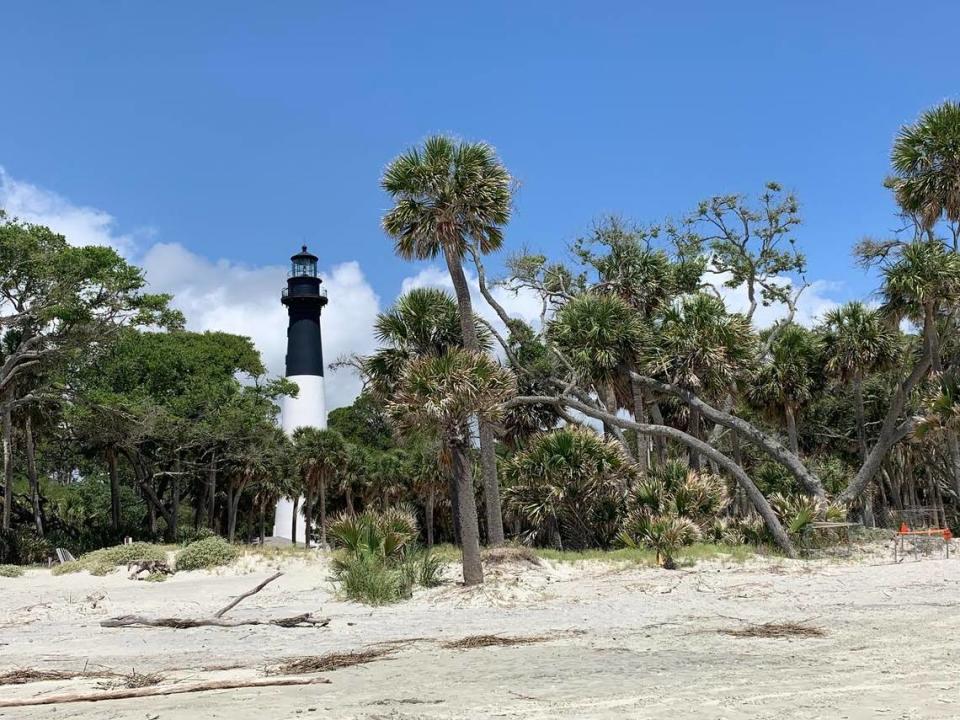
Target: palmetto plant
pixel 451 197
pixel 670 508
pixel 566 488
pixel 440 394
pixel 857 342
pixel 924 276
pixel 926 159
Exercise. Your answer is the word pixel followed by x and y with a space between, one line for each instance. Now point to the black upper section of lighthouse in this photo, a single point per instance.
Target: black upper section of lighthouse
pixel 304 299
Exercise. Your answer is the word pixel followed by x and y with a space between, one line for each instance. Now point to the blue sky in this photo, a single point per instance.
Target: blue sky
pixel 240 129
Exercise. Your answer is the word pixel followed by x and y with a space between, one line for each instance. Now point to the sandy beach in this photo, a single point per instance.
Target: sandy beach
pixel 580 640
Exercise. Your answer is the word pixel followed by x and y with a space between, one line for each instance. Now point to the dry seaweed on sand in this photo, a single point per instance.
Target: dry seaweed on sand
pixel 481 641
pixel 777 630
pixel 22 676
pixel 133 680
pixel 330 661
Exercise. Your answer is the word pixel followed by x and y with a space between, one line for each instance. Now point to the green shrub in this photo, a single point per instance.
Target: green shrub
pixel 123 554
pixel 23 547
pixel 207 553
pixel 74 566
pixel 100 567
pixel 186 535
pixel 11 571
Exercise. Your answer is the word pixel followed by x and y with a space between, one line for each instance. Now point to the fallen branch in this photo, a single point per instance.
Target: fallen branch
pixel 248 593
pixel 155 691
pixel 303 620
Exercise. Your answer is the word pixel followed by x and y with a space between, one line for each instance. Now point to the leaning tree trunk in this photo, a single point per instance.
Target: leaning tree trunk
pixel 32 473
pixel 859 409
pixel 111 457
pixel 7 467
pixel 488 452
pixel 455 509
pixel 469 529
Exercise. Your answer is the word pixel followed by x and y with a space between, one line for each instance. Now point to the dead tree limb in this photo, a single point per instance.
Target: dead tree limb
pixel 155 691
pixel 248 593
pixel 302 620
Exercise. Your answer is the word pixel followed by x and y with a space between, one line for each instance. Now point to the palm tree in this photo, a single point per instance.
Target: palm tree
pixel 926 159
pixel 566 487
pixel 600 335
pixel 787 378
pixel 449 197
pixel 440 394
pixel 702 348
pixel 320 455
pixel 857 342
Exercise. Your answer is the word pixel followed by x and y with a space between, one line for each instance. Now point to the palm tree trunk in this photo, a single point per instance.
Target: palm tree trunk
pixel 469 530
pixel 111 456
pixel 323 511
pixel 296 508
pixel 231 512
pixel 32 473
pixel 791 416
pixel 659 443
pixel 7 467
pixel 640 415
pixel 488 451
pixel 693 430
pixel 263 523
pixel 308 515
pixel 455 509
pixel 348 495
pixel 428 513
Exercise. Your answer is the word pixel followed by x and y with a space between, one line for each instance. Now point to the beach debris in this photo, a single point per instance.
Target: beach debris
pixel 776 630
pixel 328 662
pixel 216 620
pixel 482 641
pixel 157 690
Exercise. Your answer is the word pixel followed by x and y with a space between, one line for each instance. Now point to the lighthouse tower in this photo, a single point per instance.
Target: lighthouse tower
pixel 304 299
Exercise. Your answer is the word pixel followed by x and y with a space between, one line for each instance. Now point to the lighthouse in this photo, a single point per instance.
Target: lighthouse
pixel 304 298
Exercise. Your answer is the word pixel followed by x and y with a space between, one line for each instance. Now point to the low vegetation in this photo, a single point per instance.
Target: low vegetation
pixel 378 561
pixel 205 554
pixel 10 571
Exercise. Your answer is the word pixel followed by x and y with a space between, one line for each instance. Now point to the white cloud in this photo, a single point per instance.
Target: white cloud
pixel 80 225
pixel 813 304
pixel 231 297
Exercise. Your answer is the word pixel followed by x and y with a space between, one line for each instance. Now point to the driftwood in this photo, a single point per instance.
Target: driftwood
pixel 302 620
pixel 142 569
pixel 154 691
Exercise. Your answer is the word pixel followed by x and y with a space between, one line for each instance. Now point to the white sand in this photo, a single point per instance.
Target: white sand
pixel 624 642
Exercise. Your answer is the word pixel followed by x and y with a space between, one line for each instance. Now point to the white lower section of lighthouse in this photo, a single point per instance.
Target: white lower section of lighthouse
pixel 308 409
